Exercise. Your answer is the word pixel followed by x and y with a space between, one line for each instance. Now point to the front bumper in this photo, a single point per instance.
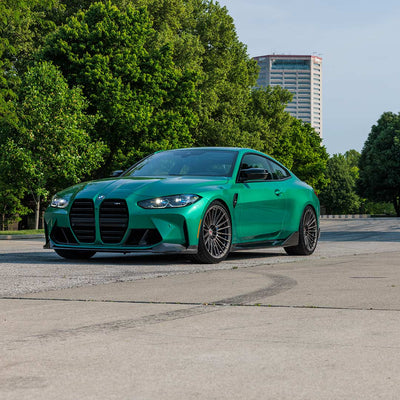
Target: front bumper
pixel 135 230
pixel 162 248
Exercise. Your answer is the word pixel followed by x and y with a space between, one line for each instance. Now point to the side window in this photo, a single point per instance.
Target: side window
pixel 278 172
pixel 255 161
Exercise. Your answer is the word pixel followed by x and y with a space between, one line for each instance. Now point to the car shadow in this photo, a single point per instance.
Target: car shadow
pixel 50 257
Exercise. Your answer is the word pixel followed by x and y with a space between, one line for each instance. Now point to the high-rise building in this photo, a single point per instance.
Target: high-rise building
pixel 302 76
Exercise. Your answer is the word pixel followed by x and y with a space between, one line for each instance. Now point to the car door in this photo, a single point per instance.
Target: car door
pixel 260 209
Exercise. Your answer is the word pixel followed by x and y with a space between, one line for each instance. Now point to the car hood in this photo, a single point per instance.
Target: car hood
pixel 126 187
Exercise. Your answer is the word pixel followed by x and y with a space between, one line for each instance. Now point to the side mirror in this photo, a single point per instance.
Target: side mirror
pixel 253 174
pixel 114 174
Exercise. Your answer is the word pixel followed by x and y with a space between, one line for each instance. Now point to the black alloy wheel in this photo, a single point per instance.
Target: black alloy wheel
pixel 215 236
pixel 308 234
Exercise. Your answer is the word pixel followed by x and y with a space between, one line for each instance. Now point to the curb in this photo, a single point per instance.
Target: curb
pixel 21 237
pixel 356 217
pixel 346 216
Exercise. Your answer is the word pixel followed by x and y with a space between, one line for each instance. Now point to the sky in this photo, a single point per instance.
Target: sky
pixel 359 45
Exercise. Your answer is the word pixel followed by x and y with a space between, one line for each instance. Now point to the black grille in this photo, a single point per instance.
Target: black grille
pixel 82 220
pixel 114 219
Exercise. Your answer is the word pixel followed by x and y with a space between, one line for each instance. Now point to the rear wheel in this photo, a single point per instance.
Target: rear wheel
pixel 308 234
pixel 215 237
pixel 75 254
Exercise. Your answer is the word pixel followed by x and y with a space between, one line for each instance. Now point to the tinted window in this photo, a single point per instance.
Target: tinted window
pixel 190 162
pixel 278 172
pixel 254 161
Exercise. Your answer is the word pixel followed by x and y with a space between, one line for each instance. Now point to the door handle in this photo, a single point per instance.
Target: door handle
pixel 278 192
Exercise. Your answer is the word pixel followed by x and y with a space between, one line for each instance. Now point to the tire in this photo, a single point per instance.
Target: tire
pixel 215 237
pixel 308 234
pixel 75 254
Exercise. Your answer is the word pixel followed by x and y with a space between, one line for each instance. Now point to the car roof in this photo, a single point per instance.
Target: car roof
pixel 238 149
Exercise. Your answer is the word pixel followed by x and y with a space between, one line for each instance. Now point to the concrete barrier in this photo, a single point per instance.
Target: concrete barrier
pixel 21 237
pixel 346 216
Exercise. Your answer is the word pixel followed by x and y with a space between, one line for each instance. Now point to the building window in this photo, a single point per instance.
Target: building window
pixel 290 64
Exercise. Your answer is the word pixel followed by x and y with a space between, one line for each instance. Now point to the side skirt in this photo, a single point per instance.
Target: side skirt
pixel 292 240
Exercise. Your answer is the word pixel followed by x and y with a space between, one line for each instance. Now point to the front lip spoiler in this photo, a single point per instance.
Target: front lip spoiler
pixel 162 248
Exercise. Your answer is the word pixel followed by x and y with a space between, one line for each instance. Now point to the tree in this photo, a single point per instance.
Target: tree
pixel 380 162
pixel 339 197
pixel 144 101
pixel 11 208
pixel 265 121
pixel 202 38
pixel 299 147
pixel 23 26
pixel 50 147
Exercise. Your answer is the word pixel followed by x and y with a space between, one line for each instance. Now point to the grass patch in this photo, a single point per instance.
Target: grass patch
pixel 24 232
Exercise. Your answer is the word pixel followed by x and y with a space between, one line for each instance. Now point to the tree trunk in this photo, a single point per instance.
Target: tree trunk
pixel 37 212
pixel 396 203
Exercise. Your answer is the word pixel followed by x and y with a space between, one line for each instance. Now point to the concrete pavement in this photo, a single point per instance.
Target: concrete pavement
pixel 260 326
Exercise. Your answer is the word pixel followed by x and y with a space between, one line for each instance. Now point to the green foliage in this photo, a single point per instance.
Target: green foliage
pixel 144 101
pixel 380 162
pixel 265 121
pixel 11 208
pixel 298 146
pixel 23 26
pixel 340 197
pixel 203 38
pixel 50 147
pixel 157 74
pixel 374 208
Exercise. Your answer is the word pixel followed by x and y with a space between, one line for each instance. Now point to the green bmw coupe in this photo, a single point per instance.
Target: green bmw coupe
pixel 205 202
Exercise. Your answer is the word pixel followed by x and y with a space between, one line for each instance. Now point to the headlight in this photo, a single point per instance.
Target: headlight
pixel 179 200
pixel 59 202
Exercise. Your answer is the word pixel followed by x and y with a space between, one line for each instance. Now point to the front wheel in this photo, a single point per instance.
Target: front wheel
pixel 215 237
pixel 75 254
pixel 308 235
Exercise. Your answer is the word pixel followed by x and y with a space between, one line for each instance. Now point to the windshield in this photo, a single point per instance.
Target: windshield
pixel 188 162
